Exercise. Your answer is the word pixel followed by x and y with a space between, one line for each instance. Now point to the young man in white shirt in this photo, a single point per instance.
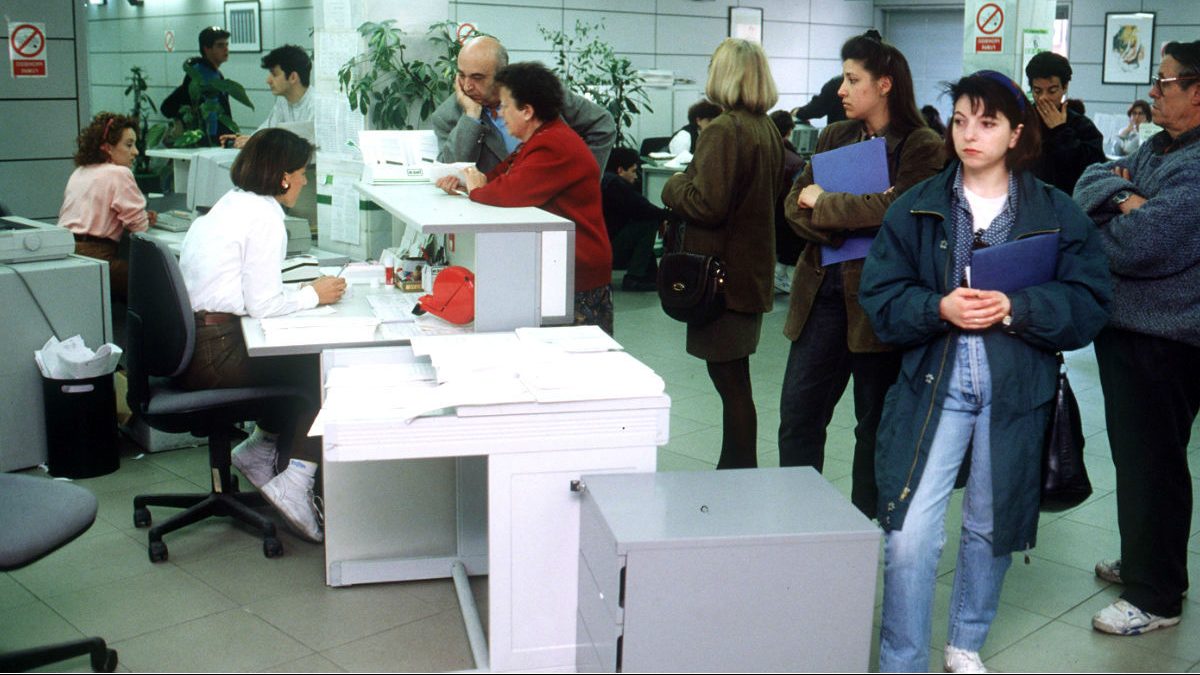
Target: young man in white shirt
pixel 288 70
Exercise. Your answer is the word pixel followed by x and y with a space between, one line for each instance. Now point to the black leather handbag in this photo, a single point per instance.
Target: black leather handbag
pixel 1065 481
pixel 691 286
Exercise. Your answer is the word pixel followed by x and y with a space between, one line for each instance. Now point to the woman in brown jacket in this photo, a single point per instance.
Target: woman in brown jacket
pixel 728 195
pixel 831 336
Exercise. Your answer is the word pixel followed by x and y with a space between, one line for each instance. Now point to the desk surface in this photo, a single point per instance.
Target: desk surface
pixel 356 305
pixel 174 241
pixel 425 206
pixel 186 153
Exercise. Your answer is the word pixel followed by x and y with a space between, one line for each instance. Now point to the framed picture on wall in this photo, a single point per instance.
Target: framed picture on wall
pixel 243 20
pixel 746 23
pixel 1128 41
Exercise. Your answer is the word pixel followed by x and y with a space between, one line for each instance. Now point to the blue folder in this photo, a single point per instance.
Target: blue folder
pixel 859 169
pixel 1015 265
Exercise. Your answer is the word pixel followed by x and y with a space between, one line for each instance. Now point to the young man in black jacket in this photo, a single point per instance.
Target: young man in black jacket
pixel 632 221
pixel 1070 142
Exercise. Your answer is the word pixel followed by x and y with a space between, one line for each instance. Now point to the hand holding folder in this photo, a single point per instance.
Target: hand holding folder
pixel 1015 265
pixel 857 169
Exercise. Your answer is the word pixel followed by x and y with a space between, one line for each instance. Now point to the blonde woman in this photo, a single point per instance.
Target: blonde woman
pixel 728 196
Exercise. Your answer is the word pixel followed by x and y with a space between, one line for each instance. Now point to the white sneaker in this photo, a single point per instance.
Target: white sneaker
pixel 1123 618
pixel 255 457
pixel 1110 571
pixel 291 493
pixel 962 661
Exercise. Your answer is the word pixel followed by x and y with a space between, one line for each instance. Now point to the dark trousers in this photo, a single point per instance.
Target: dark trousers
pixel 220 360
pixel 633 249
pixel 1151 397
pixel 819 366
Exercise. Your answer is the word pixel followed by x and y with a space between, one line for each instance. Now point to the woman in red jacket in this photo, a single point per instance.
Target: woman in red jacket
pixel 551 169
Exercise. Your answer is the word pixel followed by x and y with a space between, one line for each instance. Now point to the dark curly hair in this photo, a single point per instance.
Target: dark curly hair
pixel 105 127
pixel 532 84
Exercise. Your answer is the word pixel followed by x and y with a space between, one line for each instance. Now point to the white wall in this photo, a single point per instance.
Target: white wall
pixel 121 36
pixel 802 38
pixel 40 117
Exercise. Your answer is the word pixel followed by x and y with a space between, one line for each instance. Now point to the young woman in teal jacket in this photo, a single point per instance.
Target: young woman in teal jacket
pixel 975 361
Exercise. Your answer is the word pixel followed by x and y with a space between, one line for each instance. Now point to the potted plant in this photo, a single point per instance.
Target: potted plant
pixel 394 90
pixel 150 176
pixel 591 68
pixel 192 127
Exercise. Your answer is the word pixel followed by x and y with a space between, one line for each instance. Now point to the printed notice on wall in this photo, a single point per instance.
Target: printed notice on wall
pixel 27 48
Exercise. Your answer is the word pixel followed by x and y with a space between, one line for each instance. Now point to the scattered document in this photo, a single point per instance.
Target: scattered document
pixel 571 338
pixel 392 307
pixel 397 156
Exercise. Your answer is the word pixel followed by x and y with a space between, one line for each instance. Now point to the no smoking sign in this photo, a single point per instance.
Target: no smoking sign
pixel 989 20
pixel 27 49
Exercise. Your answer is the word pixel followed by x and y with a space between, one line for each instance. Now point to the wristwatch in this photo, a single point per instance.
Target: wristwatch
pixel 1120 198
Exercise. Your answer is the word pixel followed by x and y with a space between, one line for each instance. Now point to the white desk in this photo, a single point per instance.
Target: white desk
pixel 654 177
pixel 486 489
pixel 174 242
pixel 524 257
pixel 356 305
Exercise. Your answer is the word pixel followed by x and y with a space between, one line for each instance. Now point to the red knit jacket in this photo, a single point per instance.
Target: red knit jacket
pixel 555 171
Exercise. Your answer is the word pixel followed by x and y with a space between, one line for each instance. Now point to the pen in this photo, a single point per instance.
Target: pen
pixel 343 269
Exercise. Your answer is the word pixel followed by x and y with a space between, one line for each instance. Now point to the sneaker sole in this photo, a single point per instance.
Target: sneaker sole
pixel 1161 622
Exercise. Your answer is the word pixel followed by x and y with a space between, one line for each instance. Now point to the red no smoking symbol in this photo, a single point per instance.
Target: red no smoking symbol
pixel 990 18
pixel 28 41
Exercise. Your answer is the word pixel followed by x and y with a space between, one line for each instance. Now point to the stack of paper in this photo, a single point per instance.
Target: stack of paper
pixel 307 329
pixel 393 307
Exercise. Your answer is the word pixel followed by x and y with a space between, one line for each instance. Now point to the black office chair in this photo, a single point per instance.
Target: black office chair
pixel 161 334
pixel 654 144
pixel 37 517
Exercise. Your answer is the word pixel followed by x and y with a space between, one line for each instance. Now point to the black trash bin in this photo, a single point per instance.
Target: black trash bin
pixel 81 426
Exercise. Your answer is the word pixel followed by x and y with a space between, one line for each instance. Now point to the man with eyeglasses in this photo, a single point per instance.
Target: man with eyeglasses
pixel 468 124
pixel 1147 207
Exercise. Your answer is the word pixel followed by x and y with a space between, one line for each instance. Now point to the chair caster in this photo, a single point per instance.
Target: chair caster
pixel 141 517
pixel 272 547
pixel 158 552
pixel 105 662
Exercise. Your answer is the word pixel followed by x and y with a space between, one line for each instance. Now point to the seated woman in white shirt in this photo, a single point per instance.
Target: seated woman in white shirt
pixel 1128 140
pixel 231 261
pixel 102 200
pixel 699 115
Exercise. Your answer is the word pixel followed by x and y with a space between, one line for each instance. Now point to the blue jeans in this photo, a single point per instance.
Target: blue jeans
pixel 911 554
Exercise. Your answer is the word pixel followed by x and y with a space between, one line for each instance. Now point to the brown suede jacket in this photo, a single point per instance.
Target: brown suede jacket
pixel 836 214
pixel 728 194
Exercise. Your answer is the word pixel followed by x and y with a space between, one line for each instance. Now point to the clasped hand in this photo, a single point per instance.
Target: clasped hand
pixel 973 309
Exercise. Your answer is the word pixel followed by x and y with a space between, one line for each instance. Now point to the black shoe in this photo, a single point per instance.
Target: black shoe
pixel 637 284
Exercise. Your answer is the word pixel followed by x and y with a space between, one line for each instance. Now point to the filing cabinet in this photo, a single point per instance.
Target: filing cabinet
pixel 748 570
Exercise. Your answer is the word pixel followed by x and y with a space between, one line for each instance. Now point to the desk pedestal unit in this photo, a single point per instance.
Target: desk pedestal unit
pixel 724 571
pixel 487 488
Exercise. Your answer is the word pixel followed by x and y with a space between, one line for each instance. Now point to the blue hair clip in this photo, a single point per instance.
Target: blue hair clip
pixel 1008 83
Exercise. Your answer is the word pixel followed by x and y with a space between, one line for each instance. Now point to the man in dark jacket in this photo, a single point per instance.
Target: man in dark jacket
pixel 214 50
pixel 1070 142
pixel 632 221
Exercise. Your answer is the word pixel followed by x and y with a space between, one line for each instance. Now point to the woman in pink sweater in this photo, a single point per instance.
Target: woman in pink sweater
pixel 102 200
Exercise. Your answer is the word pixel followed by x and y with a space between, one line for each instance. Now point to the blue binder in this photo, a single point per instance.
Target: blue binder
pixel 1015 265
pixel 858 169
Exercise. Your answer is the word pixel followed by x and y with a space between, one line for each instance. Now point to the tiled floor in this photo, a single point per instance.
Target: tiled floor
pixel 218 605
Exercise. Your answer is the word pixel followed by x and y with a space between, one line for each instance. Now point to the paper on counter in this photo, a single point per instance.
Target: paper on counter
pixel 571 338
pixel 437 171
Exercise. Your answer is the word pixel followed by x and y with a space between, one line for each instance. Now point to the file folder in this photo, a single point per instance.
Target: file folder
pixel 857 169
pixel 1015 265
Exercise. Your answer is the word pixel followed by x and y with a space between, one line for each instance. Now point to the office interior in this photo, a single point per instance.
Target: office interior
pixel 218 604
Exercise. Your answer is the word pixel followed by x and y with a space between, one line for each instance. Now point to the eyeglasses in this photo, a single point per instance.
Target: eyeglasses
pixel 1160 81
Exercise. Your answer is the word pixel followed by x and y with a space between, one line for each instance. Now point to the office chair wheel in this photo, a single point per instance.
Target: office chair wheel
pixel 141 517
pixel 272 547
pixel 105 662
pixel 158 552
